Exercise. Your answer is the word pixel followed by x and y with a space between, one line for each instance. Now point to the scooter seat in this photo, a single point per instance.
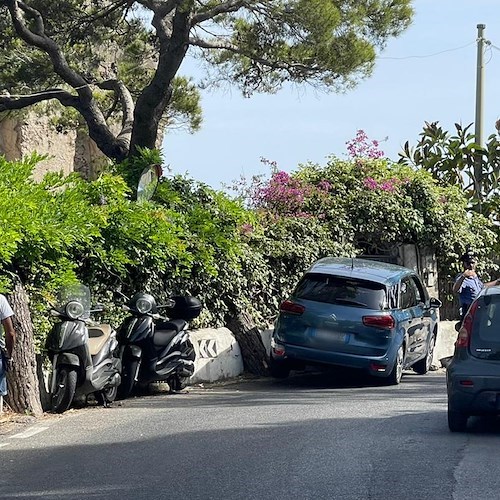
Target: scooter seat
pixel 98 335
pixel 166 331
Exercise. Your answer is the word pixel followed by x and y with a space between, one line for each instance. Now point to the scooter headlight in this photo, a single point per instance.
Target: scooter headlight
pixel 74 309
pixel 143 305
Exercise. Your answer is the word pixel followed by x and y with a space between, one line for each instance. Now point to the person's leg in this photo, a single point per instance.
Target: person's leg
pixel 3 384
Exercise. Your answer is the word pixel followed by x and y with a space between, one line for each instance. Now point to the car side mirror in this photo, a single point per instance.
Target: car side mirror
pixel 434 303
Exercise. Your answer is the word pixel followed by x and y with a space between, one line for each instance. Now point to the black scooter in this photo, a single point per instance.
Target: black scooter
pixel 83 353
pixel 155 348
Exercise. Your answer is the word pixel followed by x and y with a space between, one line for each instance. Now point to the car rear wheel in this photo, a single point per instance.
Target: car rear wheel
pixel 457 421
pixel 278 369
pixel 423 366
pixel 397 371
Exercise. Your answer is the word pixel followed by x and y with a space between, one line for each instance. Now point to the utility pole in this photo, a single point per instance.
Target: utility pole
pixel 478 173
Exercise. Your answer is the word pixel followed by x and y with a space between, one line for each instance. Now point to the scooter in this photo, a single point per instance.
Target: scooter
pixel 155 348
pixel 83 353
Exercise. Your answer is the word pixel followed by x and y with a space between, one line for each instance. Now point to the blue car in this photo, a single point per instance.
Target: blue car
pixel 356 313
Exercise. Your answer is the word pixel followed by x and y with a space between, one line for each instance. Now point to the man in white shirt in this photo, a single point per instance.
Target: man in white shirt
pixel 7 340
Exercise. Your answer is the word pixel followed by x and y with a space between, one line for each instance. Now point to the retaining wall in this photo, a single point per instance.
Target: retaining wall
pixel 218 355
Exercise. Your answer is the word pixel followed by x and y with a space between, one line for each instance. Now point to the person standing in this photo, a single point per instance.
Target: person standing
pixel 467 283
pixel 7 341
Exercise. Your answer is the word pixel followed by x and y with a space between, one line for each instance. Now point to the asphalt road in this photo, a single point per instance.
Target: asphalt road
pixel 308 437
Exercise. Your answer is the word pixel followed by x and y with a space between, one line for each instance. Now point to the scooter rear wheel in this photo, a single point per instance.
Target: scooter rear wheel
pixel 65 389
pixel 107 396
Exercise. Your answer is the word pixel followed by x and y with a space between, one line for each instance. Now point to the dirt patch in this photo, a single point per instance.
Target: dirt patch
pixel 15 422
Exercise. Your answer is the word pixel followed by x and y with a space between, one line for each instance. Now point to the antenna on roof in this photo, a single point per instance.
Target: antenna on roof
pixel 352 262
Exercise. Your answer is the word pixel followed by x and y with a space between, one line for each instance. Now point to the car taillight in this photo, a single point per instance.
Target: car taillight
pixel 386 321
pixel 463 339
pixel 291 307
pixel 377 367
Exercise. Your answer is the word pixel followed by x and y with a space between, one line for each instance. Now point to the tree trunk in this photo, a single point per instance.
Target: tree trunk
pixel 253 351
pixel 23 389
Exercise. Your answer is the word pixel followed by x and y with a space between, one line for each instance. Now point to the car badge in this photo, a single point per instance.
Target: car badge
pixel 333 317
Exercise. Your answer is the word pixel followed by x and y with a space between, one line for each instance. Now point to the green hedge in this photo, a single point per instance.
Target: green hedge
pixel 225 250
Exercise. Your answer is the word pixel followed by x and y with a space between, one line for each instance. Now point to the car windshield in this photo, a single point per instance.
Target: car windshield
pixel 485 339
pixel 337 290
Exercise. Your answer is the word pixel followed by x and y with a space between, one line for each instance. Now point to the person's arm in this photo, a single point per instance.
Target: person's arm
pixel 458 282
pixel 10 335
pixel 468 273
pixel 460 279
pixel 492 283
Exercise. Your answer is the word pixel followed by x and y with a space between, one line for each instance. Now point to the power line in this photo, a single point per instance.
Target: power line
pixel 430 55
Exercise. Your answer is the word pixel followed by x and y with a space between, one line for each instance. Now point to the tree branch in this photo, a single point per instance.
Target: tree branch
pixel 127 103
pixel 85 103
pixel 225 45
pixel 39 39
pixel 230 6
pixel 19 102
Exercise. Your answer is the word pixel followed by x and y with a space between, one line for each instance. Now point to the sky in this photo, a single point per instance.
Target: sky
pixel 426 74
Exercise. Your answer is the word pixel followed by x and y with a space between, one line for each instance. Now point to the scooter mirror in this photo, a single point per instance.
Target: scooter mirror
pixel 148 182
pixel 168 303
pixel 120 294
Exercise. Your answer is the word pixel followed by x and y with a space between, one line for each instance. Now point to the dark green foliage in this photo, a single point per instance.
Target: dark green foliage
pixel 452 159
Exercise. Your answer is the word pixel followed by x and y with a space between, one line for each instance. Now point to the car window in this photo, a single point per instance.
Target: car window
pixel 338 290
pixel 408 293
pixel 485 338
pixel 419 290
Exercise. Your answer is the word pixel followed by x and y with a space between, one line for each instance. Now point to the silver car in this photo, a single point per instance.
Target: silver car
pixel 473 376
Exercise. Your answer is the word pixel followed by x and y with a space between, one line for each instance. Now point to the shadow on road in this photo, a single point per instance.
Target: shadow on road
pixel 311 388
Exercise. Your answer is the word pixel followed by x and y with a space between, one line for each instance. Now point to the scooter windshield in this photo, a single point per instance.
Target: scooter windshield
pixel 74 293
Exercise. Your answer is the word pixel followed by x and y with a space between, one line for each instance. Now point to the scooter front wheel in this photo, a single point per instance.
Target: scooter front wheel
pixel 176 383
pixel 66 378
pixel 128 378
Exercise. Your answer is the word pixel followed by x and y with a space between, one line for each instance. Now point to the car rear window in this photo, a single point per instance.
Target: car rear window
pixel 346 291
pixel 485 339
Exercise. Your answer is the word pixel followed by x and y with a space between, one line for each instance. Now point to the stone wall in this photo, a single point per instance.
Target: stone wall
pixel 67 151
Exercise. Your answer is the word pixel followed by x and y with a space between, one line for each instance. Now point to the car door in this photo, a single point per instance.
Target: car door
pixel 415 322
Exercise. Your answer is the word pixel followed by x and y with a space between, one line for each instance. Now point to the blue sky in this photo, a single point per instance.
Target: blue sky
pixel 427 74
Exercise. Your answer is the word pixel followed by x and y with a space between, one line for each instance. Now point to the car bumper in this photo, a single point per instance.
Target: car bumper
pixel 306 356
pixel 474 395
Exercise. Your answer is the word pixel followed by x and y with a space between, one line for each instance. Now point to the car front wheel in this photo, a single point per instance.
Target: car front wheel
pixel 423 366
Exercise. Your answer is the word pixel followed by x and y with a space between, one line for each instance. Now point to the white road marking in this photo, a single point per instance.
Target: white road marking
pixel 28 433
